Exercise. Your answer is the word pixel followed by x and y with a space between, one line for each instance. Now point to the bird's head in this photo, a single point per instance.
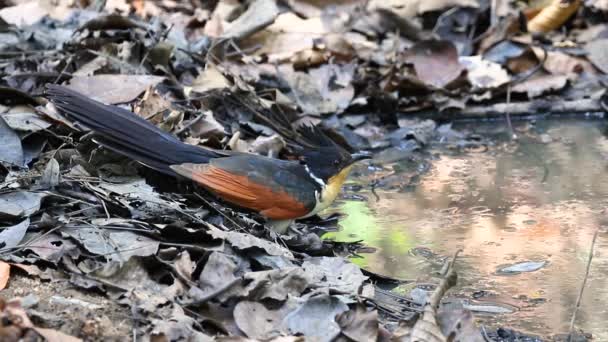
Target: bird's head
pixel 326 160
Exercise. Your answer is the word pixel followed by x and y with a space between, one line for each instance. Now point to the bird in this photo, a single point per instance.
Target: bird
pixel 279 190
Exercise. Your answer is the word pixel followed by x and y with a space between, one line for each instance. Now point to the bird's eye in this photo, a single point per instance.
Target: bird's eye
pixel 302 162
pixel 336 162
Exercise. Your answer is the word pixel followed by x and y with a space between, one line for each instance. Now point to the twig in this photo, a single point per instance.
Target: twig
pixel 448 280
pixel 220 212
pixel 190 124
pixel 442 17
pixel 580 294
pixel 214 294
pixel 67 64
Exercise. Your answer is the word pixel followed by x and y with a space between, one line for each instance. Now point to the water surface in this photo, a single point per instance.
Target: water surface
pixel 540 198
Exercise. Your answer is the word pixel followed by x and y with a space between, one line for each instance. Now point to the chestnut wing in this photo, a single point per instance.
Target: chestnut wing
pixel 275 188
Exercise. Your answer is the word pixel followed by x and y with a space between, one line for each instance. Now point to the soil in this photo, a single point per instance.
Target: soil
pixel 59 305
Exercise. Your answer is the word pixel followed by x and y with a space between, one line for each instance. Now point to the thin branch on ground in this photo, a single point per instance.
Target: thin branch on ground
pixel 580 294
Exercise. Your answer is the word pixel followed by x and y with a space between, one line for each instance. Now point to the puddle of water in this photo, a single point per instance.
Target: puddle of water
pixel 524 202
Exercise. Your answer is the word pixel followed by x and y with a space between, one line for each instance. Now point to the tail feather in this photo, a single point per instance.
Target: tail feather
pixel 127 133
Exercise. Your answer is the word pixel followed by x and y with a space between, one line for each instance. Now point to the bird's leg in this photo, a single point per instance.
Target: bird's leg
pixel 279 226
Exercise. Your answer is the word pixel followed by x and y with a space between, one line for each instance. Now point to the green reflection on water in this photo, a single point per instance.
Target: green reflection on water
pixel 361 223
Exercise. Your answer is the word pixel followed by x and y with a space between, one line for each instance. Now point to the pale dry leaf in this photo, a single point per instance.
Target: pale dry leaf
pixel 25 118
pixel 211 78
pixel 52 335
pixel 26 13
pixel 11 151
pixel 12 236
pixel 412 8
pixel 260 14
pixel 51 175
pixel 91 67
pixel 601 5
pixel 113 89
pixel 20 203
pixel 288 35
pixel 256 321
pixel 316 318
pixel 206 126
pixel 484 74
pixel 596 53
pixel 223 11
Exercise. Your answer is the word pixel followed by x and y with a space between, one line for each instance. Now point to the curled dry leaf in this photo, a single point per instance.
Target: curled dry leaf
pixel 5 271
pixel 435 62
pixel 359 324
pixel 553 16
pixel 484 74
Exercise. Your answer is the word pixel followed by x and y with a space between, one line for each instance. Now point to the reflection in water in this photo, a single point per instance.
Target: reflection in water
pixel 523 201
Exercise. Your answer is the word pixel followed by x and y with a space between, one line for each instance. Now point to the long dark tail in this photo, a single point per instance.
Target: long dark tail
pixel 125 132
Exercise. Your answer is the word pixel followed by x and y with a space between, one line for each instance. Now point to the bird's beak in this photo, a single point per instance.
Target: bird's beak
pixel 361 155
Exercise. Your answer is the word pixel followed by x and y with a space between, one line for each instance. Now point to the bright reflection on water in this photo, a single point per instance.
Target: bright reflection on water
pixel 522 201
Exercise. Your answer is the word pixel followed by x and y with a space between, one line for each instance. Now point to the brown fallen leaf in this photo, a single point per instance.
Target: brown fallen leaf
pixel 151 105
pixel 435 61
pixel 5 270
pixel 561 63
pixel 113 89
pixel 211 78
pixel 359 324
pixel 288 35
pixel 540 84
